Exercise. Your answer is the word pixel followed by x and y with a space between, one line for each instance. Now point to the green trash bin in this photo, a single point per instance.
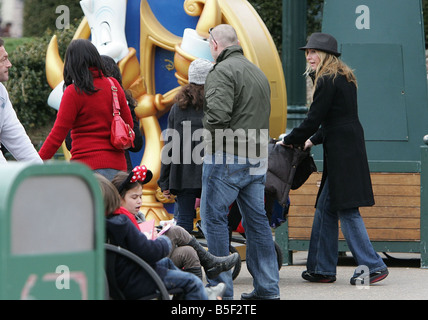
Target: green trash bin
pixel 52 232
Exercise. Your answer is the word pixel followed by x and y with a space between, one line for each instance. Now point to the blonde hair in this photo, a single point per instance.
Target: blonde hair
pixel 330 65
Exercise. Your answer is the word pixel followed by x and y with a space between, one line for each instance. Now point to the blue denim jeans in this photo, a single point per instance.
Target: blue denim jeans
pixel 108 173
pixel 186 199
pixel 226 178
pixel 175 278
pixel 323 247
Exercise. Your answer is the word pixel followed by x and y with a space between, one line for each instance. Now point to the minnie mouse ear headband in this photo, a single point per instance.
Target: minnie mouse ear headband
pixel 139 173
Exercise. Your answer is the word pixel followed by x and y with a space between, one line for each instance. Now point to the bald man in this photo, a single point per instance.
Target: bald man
pixel 236 119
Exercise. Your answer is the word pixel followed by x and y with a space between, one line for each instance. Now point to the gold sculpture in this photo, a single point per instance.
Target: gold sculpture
pixel 138 77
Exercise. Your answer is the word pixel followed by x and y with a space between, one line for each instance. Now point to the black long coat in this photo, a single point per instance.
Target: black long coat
pixel 333 121
pixel 184 172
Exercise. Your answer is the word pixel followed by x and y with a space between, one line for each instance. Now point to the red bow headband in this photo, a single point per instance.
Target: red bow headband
pixel 139 173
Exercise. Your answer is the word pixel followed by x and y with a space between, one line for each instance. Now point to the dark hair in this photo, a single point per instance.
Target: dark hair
pixel 112 70
pixel 1 42
pixel 81 55
pixel 118 182
pixel 191 95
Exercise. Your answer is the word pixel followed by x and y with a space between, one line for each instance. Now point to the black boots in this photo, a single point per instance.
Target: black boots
pixel 213 265
pixel 197 271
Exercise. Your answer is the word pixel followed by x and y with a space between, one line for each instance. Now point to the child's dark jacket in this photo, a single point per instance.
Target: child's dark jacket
pixel 122 232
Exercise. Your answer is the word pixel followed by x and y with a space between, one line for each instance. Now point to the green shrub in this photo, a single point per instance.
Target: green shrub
pixel 27 85
pixel 12 43
pixel 40 16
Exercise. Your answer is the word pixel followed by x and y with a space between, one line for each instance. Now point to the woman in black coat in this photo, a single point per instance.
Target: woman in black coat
pixel 346 185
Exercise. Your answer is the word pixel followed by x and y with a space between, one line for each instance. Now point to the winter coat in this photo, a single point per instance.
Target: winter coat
pixel 133 281
pixel 89 118
pixel 237 101
pixel 335 109
pixel 187 172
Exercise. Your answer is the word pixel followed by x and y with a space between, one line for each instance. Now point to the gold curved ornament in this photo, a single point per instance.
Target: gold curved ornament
pixel 54 64
pixel 139 77
pixel 260 49
pixel 209 12
pixel 83 31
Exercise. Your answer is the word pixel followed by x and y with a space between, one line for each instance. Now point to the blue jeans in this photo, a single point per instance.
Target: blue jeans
pixel 223 183
pixel 175 278
pixel 186 199
pixel 108 173
pixel 323 247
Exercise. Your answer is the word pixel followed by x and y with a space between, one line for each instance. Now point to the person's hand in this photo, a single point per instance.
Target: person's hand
pixel 281 143
pixel 308 144
pixel 167 194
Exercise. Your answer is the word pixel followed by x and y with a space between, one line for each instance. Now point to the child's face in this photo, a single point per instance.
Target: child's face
pixel 132 200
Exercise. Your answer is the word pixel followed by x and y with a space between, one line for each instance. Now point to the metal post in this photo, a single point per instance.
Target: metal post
pixel 294 37
pixel 424 205
pixel 293 61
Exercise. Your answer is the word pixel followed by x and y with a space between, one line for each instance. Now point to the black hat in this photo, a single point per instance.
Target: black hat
pixel 323 42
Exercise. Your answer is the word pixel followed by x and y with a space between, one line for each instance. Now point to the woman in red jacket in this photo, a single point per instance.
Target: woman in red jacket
pixel 86 110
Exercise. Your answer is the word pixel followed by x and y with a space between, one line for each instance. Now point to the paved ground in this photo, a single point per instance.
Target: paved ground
pixel 406 281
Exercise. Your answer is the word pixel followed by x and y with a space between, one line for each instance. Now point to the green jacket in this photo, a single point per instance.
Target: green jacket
pixel 237 106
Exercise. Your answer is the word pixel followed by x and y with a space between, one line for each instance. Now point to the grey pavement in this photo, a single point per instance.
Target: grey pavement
pixel 406 281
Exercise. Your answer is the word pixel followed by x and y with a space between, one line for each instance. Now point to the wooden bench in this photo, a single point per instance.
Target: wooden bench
pixel 394 217
pixel 398 222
